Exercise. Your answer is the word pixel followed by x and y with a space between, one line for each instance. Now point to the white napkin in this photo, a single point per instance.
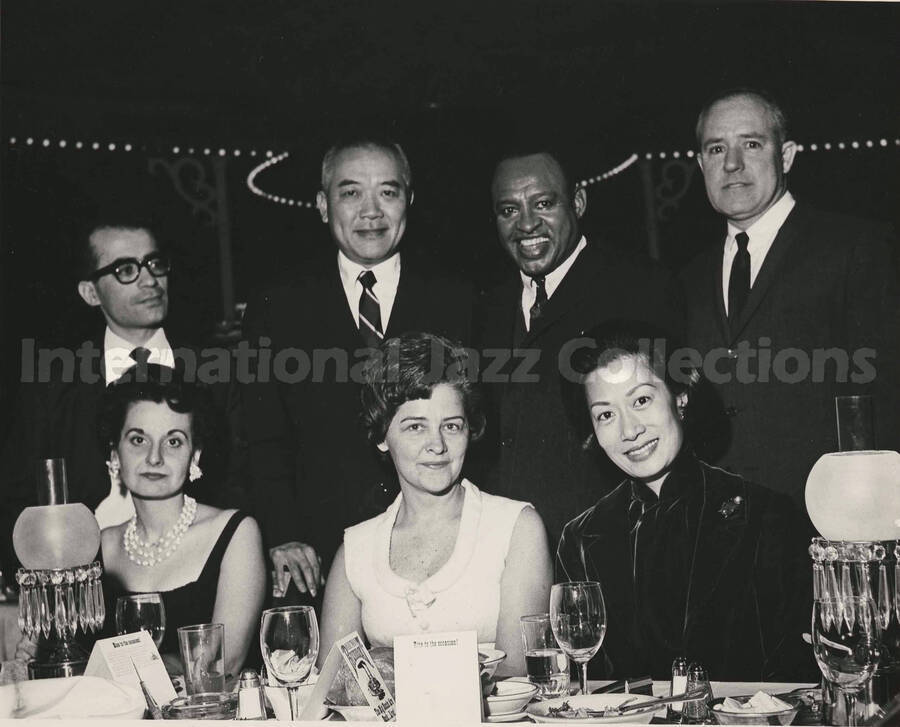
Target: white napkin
pixel 73 698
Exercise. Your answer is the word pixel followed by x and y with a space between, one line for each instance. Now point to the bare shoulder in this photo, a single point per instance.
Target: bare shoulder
pixel 529 526
pixel 210 514
pixel 112 536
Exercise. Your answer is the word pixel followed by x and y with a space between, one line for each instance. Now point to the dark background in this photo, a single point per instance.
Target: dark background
pixel 452 81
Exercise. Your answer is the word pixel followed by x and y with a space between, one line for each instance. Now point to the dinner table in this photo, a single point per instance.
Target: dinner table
pixel 659 688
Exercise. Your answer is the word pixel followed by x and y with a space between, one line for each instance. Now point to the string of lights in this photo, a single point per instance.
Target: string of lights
pixel 272 158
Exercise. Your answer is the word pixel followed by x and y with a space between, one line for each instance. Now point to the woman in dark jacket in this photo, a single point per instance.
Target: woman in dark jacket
pixel 694 561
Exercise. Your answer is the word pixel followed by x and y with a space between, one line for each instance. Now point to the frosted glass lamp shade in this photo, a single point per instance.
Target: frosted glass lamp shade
pixel 855 495
pixel 56 536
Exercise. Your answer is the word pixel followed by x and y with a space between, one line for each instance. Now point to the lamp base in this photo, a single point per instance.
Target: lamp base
pixel 60 659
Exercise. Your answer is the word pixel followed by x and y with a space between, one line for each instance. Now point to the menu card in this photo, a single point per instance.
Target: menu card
pixel 129 658
pixel 437 678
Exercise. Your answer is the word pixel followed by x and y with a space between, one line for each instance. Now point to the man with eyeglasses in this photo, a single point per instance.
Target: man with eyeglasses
pixel 127 278
pixel 122 272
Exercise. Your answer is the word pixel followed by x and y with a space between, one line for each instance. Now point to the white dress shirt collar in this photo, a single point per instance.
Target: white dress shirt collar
pixel 762 234
pixel 551 281
pixel 117 353
pixel 387 278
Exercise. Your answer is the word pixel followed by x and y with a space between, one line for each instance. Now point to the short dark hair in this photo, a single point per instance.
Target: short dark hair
pixel 84 255
pixel 366 142
pixel 524 149
pixel 158 384
pixel 776 113
pixel 610 341
pixel 410 367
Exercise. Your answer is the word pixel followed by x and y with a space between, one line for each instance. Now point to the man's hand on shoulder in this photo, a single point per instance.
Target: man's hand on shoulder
pixel 298 562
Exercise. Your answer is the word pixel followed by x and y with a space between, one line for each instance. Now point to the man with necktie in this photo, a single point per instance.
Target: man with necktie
pixel 312 471
pixel 791 308
pixel 564 285
pixel 121 271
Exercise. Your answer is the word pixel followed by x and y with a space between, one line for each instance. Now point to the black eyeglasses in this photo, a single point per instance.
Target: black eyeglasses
pixel 128 269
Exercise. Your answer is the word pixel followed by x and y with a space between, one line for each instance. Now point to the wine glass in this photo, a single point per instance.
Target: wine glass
pixel 578 619
pixel 845 644
pixel 141 612
pixel 289 641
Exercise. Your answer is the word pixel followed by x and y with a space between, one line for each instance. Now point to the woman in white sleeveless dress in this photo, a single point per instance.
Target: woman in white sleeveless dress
pixel 444 556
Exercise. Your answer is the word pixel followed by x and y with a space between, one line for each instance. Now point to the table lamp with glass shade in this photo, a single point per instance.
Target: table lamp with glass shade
pixel 853 500
pixel 59 586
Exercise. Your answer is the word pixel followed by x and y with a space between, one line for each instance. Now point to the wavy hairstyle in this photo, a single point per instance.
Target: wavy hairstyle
pixel 410 367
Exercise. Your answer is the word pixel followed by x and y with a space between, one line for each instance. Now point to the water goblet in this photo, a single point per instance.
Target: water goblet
pixel 578 619
pixel 845 645
pixel 289 641
pixel 141 612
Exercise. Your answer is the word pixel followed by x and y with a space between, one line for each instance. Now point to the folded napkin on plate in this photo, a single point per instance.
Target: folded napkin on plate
pixel 73 698
pixel 759 703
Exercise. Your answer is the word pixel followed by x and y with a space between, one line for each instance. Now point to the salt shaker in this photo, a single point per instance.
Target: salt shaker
pixel 697 712
pixel 677 686
pixel 251 701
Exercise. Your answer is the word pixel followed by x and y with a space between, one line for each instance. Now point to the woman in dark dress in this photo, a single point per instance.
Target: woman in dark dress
pixel 694 561
pixel 207 563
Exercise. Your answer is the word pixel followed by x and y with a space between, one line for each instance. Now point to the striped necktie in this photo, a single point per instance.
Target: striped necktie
pixel 369 311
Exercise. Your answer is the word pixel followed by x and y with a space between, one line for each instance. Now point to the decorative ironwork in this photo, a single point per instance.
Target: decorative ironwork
pixel 676 181
pixel 190 180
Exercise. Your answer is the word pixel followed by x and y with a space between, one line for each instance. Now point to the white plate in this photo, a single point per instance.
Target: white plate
pixel 520 716
pixel 539 710
pixel 362 713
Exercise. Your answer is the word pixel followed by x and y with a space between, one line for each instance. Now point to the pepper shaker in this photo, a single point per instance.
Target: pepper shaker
pixel 697 712
pixel 251 700
pixel 678 685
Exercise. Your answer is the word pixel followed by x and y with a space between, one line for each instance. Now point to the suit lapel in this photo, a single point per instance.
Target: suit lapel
pixel 769 271
pixel 714 276
pixel 719 536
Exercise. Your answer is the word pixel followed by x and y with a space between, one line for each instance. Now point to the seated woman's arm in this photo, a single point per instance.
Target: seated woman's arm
pixel 341 609
pixel 240 594
pixel 524 588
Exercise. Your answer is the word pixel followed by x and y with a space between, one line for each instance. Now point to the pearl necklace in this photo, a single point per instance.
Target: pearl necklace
pixel 149 554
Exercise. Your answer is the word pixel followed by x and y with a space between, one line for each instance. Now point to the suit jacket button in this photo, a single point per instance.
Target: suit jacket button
pixel 731 411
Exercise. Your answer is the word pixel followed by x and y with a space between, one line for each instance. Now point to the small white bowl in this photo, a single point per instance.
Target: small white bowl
pixel 511 697
pixel 488 661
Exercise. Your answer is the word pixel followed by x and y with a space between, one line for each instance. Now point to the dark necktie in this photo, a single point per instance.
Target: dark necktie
pixel 739 281
pixel 141 356
pixel 540 300
pixel 369 311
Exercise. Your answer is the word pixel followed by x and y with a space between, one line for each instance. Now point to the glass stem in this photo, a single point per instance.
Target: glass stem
pixel 583 674
pixel 294 698
pixel 851 704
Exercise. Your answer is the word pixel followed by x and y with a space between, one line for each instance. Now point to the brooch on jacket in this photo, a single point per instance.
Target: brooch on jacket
pixel 730 507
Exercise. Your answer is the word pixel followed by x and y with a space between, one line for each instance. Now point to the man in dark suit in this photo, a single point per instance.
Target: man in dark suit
pixel 123 273
pixel 794 307
pixel 564 285
pixel 313 472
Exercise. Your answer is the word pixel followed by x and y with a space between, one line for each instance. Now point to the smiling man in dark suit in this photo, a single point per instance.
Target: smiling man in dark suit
pixel 794 307
pixel 313 472
pixel 564 285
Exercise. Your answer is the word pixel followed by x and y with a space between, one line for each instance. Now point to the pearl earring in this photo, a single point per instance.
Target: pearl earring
pixel 113 468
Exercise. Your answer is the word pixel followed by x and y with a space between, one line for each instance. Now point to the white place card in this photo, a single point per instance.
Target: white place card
pixel 121 658
pixel 437 678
